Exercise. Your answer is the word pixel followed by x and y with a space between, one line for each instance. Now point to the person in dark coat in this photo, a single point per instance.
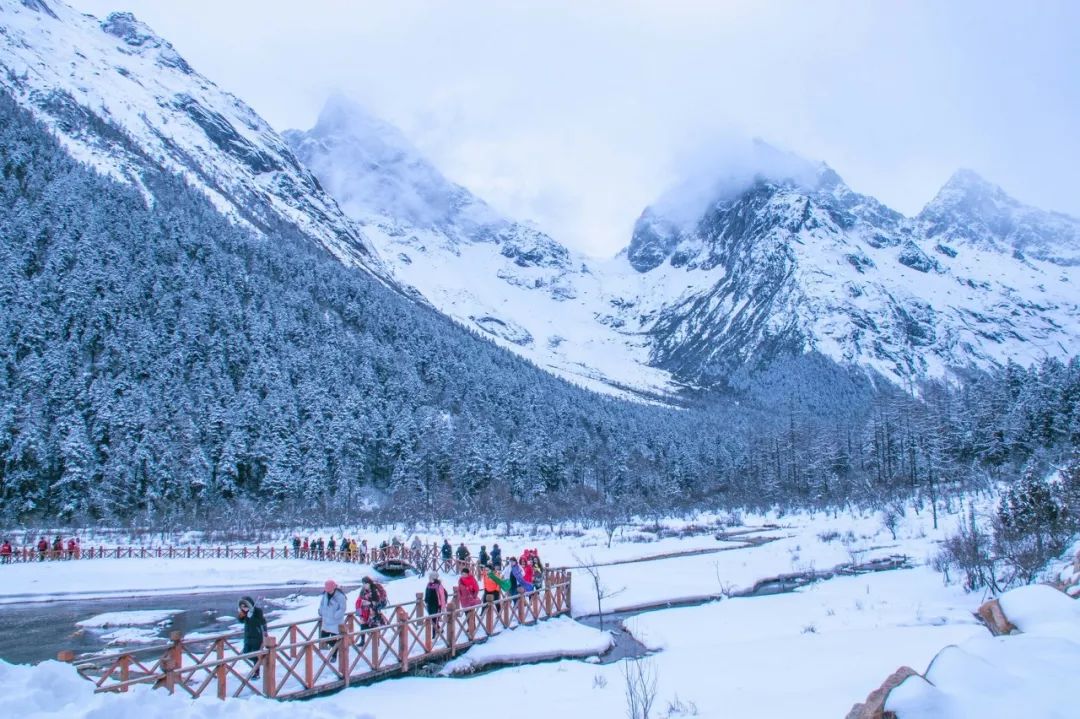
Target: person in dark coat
pixel 496 556
pixel 447 550
pixel 435 599
pixel 485 558
pixel 254 623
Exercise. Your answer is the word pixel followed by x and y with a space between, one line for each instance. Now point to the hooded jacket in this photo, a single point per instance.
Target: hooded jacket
pixel 254 626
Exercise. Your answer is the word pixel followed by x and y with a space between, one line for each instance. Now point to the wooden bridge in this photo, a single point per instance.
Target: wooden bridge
pixel 428 557
pixel 295 662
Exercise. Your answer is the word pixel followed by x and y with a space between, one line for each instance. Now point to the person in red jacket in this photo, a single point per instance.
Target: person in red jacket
pixel 468 590
pixel 42 548
pixel 5 552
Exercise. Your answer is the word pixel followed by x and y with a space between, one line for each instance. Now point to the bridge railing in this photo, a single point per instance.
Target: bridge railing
pixel 427 557
pixel 296 661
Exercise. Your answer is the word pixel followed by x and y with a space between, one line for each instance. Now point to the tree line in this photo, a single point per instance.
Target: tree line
pixel 163 366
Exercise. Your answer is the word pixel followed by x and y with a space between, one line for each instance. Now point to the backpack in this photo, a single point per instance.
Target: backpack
pixel 379 600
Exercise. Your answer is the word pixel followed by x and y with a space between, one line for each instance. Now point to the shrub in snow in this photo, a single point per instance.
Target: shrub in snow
pixel 1032 527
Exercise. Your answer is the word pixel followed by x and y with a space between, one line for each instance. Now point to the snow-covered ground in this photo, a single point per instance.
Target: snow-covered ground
pixel 51 581
pixel 813 652
pixel 560 637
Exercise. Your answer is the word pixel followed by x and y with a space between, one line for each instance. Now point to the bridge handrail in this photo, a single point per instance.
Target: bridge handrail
pixel 410 637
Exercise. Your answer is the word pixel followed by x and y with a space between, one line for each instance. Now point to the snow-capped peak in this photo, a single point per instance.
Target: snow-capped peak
pixel 970 210
pixel 123 100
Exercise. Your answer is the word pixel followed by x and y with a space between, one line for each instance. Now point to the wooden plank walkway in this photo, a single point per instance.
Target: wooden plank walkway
pixel 296 662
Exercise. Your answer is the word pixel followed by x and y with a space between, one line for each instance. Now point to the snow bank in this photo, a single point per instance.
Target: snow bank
pixel 552 639
pixel 92 579
pixel 805 653
pixel 1028 674
pixel 1040 609
pixel 52 690
pixel 140 618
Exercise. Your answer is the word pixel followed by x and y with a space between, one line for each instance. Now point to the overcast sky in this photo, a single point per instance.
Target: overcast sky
pixel 577 114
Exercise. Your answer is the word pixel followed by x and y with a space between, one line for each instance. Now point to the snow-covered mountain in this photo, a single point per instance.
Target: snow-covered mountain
pixel 503 278
pixel 801 262
pixel 123 100
pixel 773 255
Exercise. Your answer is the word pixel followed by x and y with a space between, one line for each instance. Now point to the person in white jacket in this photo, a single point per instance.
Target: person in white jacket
pixel 332 615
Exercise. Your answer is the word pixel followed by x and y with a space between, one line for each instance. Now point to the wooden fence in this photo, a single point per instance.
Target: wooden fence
pixel 428 556
pixel 296 662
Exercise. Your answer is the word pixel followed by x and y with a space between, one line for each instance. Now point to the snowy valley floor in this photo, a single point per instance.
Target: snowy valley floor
pixel 810 653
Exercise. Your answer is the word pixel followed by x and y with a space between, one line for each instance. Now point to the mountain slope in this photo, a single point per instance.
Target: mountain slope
pixel 791 265
pixel 87 79
pixel 492 274
pixel 971 211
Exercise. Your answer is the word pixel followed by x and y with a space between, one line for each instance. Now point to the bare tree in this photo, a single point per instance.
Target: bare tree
pixel 641 682
pixel 601 589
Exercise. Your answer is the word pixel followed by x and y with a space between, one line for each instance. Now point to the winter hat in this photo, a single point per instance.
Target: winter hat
pixel 433 576
pixel 247 602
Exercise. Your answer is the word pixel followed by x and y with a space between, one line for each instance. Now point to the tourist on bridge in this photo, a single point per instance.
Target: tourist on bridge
pixel 377 593
pixel 296 546
pixel 435 599
pixel 518 585
pixel 254 622
pixel 447 550
pixel 332 605
pixel 73 548
pixel 496 556
pixel 468 590
pixel 417 547
pixel 493 584
pixel 484 557
pixel 305 546
pixel 538 571
pixel 368 616
pixel 5 552
pixel 330 547
pixel 463 553
pixel 42 548
pixel 58 547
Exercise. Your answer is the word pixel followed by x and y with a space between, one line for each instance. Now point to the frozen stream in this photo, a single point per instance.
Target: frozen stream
pixel 38 631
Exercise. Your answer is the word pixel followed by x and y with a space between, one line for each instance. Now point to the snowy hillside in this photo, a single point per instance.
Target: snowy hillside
pixel 87 78
pixel 494 275
pixel 776 255
pixel 799 261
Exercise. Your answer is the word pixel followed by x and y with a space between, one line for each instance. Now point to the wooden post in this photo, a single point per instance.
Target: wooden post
pixel 222 671
pixel 343 653
pixel 451 623
pixel 489 616
pixel 403 639
pixel 175 659
pixel 472 623
pixel 418 609
pixel 270 669
pixel 125 670
pixel 547 600
pixel 309 665
pixel 375 640
pixel 292 640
